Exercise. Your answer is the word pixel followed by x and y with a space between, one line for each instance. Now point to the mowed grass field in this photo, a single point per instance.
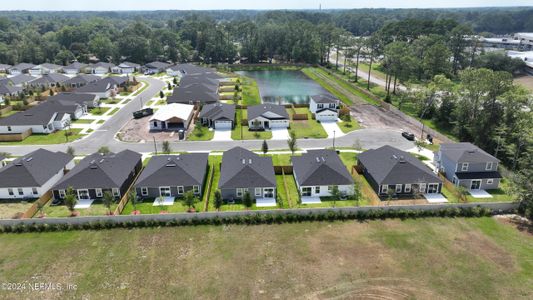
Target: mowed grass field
pixel 414 259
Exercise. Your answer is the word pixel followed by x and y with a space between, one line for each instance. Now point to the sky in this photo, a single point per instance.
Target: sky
pixel 82 5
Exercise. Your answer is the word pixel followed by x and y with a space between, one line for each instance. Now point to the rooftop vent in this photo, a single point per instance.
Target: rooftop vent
pixel 92 162
pixel 18 164
pixel 171 165
pixel 472 151
pixel 93 166
pixel 317 159
pixel 243 161
pixel 29 159
pixel 402 159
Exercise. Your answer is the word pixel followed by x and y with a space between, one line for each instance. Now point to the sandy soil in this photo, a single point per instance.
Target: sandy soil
pixel 137 130
pixel 525 81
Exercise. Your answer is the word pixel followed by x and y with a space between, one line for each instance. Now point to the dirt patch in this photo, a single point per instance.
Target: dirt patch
pixel 525 81
pixel 522 224
pixel 138 130
pixel 9 210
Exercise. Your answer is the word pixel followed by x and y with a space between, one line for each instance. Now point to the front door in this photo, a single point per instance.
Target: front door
pixel 266 124
pixel 475 184
pixel 306 191
pixel 268 192
pixel 83 195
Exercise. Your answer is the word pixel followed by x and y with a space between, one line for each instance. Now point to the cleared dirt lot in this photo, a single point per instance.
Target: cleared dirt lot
pixel 525 81
pixel 137 130
pixel 392 259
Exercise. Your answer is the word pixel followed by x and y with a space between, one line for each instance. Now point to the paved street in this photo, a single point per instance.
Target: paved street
pixel 105 136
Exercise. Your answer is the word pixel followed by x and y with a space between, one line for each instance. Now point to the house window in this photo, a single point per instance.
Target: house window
pixel 180 190
pixel 407 188
pixel 21 192
pixel 319 105
pixel 464 167
pixel 398 188
pixel 155 124
pixel 116 192
pixel 10 191
pixel 98 192
pixel 490 181
pixel 332 105
pixel 317 190
pixel 34 191
pixel 164 191
pixel 422 187
pixel 196 189
pixel 8 128
pixel 144 191
pixel 61 194
pixel 384 189
pixel 239 192
pixel 257 192
pixel 488 166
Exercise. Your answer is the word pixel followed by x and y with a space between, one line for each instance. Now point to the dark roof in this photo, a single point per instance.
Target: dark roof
pixel 46 79
pixel 20 79
pixel 195 92
pixel 268 111
pixel 81 99
pixel 210 80
pixel 40 114
pixel 191 69
pixel 22 66
pixel 117 80
pixel 243 168
pixel 6 89
pixel 51 66
pixel 478 175
pixel 157 65
pixel 320 167
pixel 100 86
pixel 466 152
pixel 126 64
pixel 34 169
pixel 101 65
pixel 218 111
pixel 174 170
pixel 82 79
pixel 4 66
pixel 388 165
pixel 75 66
pixel 101 171
pixel 2 157
pixel 324 99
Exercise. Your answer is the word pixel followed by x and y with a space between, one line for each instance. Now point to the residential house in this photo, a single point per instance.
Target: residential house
pixel 7 90
pixel 34 174
pixel 99 68
pixel 156 67
pixel 84 100
pixel 126 68
pixel 173 116
pixel 464 164
pixel 49 80
pixel 182 70
pixel 325 107
pixel 20 80
pixel 218 115
pixel 103 88
pixel 4 68
pixel 317 172
pixel 267 116
pixel 99 173
pixel 43 118
pixel 194 93
pixel 244 171
pixel 74 68
pixel 20 68
pixel 396 173
pixel 44 69
pixel 173 176
pixel 3 160
pixel 81 80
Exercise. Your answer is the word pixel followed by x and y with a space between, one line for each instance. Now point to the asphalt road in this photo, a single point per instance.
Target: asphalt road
pixel 367 138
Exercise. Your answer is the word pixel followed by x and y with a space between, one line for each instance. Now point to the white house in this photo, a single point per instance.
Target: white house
pixel 100 68
pixel 267 116
pixel 44 69
pixel 34 174
pixel 173 116
pixel 126 68
pixel 325 107
pixel 74 68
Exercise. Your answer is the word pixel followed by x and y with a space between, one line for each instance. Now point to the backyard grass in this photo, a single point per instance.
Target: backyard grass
pixel 110 101
pixel 474 258
pixel 247 134
pixel 98 111
pixel 61 211
pixel 57 137
pixel 201 133
pixel 306 128
pixel 250 91
pixel 8 114
pixel 147 207
pixel 8 210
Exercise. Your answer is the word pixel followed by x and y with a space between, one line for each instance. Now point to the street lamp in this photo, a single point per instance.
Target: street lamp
pixel 333 139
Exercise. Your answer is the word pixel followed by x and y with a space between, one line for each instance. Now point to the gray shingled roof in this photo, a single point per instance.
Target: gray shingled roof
pixel 47 79
pixel 34 169
pixel 191 69
pixel 127 64
pixel 101 171
pixel 388 165
pixel 174 170
pixel 218 111
pixel 102 65
pixel 466 152
pixel 21 78
pixel 157 65
pixel 40 114
pixel 22 66
pixel 66 98
pixel 51 66
pixel 324 99
pixel 82 79
pixel 195 92
pixel 4 66
pixel 268 111
pixel 100 86
pixel 243 168
pixel 320 167
pixel 9 89
pixel 75 66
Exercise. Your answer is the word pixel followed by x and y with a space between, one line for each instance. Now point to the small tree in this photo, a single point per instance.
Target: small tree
pixel 264 147
pixel 70 200
pixel 463 193
pixel 71 151
pixel 190 199
pixel 108 200
pixel 169 86
pixel 335 194
pixel 161 94
pixel 247 200
pixel 104 150
pixel 292 141
pixel 166 147
pixel 357 193
pixel 133 199
pixel 218 200
pixel 175 80
pixel 419 144
pixel 51 93
pixel 255 124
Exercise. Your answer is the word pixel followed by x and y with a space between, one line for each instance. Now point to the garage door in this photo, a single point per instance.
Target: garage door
pixel 223 125
pixel 326 117
pixel 279 124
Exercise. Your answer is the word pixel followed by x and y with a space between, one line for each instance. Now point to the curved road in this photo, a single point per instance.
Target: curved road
pixel 105 136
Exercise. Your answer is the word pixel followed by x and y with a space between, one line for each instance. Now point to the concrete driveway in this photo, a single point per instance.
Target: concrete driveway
pixel 332 128
pixel 480 194
pixel 280 134
pixel 222 135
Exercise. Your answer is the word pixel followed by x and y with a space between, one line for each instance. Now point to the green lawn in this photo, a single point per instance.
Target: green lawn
pixel 114 111
pixel 250 91
pixel 432 258
pixel 147 207
pixel 96 209
pixel 100 122
pixel 350 126
pixel 57 137
pixel 8 114
pixel 98 111
pixel 83 121
pixel 307 128
pixel 313 73
pixel 246 134
pixel 161 102
pixel 110 101
pixel 201 133
pixel 137 92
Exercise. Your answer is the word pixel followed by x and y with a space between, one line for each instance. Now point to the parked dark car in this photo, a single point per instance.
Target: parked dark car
pixel 143 113
pixel 408 136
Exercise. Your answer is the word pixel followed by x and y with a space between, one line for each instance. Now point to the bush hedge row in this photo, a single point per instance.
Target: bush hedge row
pixel 258 218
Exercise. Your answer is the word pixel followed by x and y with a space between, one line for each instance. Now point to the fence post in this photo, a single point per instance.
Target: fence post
pixel 208 192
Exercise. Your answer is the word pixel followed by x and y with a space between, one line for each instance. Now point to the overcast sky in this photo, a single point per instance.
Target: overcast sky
pixel 246 4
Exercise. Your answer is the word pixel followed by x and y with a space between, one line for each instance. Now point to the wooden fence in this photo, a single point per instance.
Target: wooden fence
pixel 450 186
pixel 287 194
pixel 366 189
pixel 124 200
pixel 282 170
pixel 209 183
pixel 15 137
pixel 6 109
pixel 43 200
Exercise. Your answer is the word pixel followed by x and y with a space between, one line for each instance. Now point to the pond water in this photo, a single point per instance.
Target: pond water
pixel 287 86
